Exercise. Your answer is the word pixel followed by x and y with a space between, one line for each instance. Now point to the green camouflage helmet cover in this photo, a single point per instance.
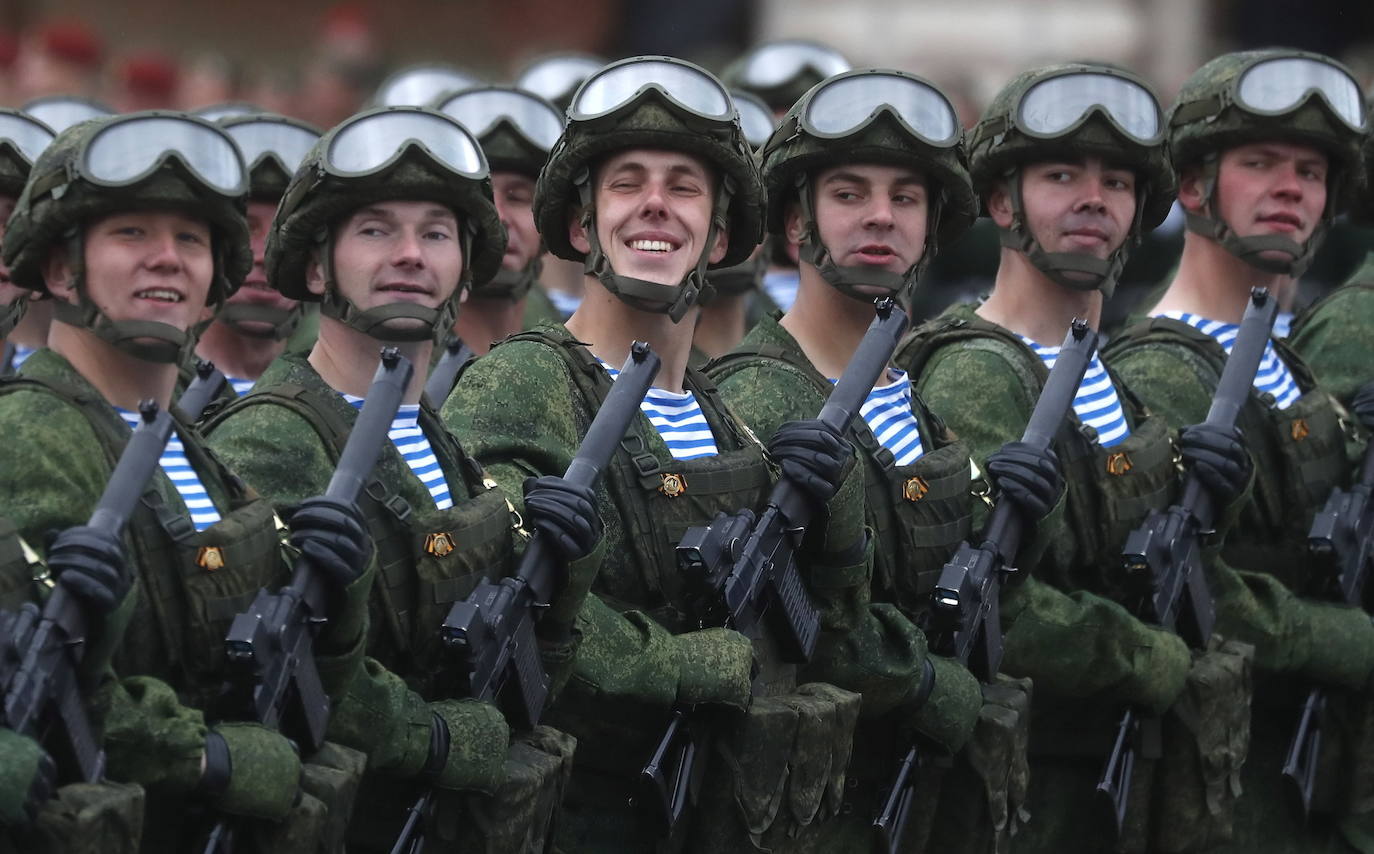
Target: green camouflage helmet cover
pixel 785 93
pixel 1363 208
pixel 792 156
pixel 1206 119
pixel 317 200
pixel 268 178
pixel 998 148
pixel 653 123
pixel 14 172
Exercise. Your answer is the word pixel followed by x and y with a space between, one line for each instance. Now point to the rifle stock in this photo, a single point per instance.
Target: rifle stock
pixel 445 372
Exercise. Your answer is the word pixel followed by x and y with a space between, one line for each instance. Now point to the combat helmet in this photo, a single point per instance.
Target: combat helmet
pixel 155 160
pixel 651 102
pixel 758 124
pixel 1086 109
pixel 780 72
pixel 1274 94
pixel 869 116
pixel 516 129
pixel 22 140
pixel 556 76
pixel 387 154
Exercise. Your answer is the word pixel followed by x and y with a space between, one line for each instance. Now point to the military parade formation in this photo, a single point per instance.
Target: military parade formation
pixel 555 467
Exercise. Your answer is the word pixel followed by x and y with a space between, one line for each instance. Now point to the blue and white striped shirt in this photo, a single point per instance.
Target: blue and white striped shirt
pixel 21 355
pixel 564 304
pixel 781 287
pixel 410 440
pixel 183 477
pixel 1273 375
pixel 240 387
pixel 887 411
pixel 678 420
pixel 1096 403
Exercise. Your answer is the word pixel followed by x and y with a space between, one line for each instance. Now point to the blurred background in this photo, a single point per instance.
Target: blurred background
pixel 320 60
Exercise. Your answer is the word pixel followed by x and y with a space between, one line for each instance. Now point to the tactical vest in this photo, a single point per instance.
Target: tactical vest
pixel 21 569
pixel 919 513
pixel 193 582
pixel 427 558
pixel 1110 491
pixel 1299 452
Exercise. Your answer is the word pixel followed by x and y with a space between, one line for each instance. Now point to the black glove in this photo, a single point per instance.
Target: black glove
pixel 564 513
pixel 1029 477
pixel 813 456
pixel 1362 404
pixel 331 534
pixel 90 565
pixel 1218 458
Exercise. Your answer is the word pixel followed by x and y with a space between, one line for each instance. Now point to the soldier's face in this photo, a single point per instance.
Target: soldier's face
pixel 514 194
pixel 1079 206
pixel 9 293
pixel 653 214
pixel 868 216
pixel 145 265
pixel 393 252
pixel 1266 188
pixel 255 290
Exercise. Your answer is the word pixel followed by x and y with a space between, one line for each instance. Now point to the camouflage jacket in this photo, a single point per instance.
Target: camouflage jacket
pixel 1332 335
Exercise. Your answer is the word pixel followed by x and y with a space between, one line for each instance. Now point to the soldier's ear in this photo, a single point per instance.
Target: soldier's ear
pixel 577 235
pixel 314 274
pixel 792 224
pixel 58 274
pixel 999 204
pixel 1192 189
pixel 722 246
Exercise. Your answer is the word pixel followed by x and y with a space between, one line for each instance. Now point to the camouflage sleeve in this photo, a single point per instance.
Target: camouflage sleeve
pixel 1334 341
pixel 1166 380
pixel 979 396
pixel 151 738
pixel 275 451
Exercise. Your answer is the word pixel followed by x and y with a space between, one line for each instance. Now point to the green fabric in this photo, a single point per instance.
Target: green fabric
pixel 539 309
pixel 20 758
pixel 89 818
pixel 478 736
pixel 1332 335
pixel 265 772
pixel 950 713
pixel 382 717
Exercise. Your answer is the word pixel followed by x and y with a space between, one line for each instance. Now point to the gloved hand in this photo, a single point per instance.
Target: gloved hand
pixel 1218 458
pixel 1030 478
pixel 250 770
pixel 812 456
pixel 564 513
pixel 28 778
pixel 331 534
pixel 90 565
pixel 1362 405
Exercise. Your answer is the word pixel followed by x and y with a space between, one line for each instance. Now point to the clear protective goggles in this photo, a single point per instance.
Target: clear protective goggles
pixel 371 142
pixel 623 84
pixel 755 119
pixel 26 136
pixel 479 110
pixel 418 87
pixel 60 112
pixel 846 104
pixel 1273 87
pixel 557 77
pixel 277 137
pixel 1057 105
pixel 130 148
pixel 776 63
pixel 227 110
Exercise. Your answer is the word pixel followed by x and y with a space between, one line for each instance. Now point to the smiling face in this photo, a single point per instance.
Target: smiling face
pixel 514 196
pixel 1265 188
pixel 653 214
pixel 868 216
pixel 145 265
pixel 1080 206
pixel 393 252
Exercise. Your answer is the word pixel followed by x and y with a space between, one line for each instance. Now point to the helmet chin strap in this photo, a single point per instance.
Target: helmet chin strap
pixel 850 280
pixel 643 295
pixel 282 321
pixel 511 284
pixel 1076 271
pixel 1295 257
pixel 432 323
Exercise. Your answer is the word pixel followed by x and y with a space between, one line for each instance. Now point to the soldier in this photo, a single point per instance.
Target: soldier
pixel 1266 144
pixel 253 326
pixel 1070 166
pixel 22 139
pixel 867 201
pixel 388 219
pixel 516 130
pixel 651 184
pixel 134 226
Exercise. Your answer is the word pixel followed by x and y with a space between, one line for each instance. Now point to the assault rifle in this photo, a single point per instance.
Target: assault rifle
pixel 206 387
pixel 966 618
pixel 1162 558
pixel 273 678
pixel 1341 542
pixel 742 572
pixel 445 372
pixel 42 697
pixel 491 633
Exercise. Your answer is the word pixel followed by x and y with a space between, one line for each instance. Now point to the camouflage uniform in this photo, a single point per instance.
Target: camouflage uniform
pixel 1300 454
pixel 286 436
pixel 1331 336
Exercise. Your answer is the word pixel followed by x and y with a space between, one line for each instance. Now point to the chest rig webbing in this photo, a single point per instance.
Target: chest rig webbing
pixel 1299 452
pixel 427 558
pixel 192 582
pixel 1110 491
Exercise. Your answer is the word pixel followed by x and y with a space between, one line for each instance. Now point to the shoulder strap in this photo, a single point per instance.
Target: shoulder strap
pixel 974 333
